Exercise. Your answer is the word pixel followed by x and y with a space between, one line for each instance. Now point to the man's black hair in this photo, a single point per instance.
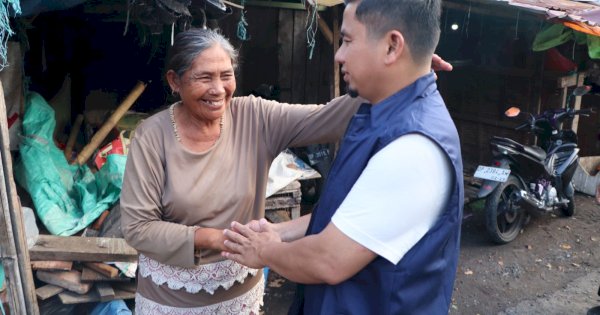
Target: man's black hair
pixel 417 20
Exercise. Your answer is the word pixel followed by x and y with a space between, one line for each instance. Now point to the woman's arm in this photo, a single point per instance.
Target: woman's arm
pixel 294 125
pixel 141 210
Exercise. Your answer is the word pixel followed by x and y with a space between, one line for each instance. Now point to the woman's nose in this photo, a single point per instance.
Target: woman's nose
pixel 217 87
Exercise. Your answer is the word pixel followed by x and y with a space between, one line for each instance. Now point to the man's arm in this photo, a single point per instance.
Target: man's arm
pixel 328 257
pixel 292 230
pixel 387 211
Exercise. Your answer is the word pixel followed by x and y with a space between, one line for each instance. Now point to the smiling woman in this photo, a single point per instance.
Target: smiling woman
pixel 198 166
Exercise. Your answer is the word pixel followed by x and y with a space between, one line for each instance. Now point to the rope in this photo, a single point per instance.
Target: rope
pixel 5 30
pixel 242 32
pixel 312 27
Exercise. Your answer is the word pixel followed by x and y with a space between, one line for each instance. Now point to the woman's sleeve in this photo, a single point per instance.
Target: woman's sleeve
pixel 141 211
pixel 295 125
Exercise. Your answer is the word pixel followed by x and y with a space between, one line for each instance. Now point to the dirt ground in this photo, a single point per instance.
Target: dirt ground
pixel 552 268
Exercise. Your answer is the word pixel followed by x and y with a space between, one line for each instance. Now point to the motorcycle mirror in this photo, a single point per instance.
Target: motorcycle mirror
pixel 512 112
pixel 582 90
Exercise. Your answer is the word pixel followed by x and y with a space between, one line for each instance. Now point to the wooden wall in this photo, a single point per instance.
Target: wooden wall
pixel 494 69
pixel 277 54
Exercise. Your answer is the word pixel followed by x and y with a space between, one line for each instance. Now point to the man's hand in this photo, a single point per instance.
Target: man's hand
pixel 261 225
pixel 439 64
pixel 244 245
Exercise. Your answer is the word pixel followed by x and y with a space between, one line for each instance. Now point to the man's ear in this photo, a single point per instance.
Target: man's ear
pixel 173 79
pixel 395 46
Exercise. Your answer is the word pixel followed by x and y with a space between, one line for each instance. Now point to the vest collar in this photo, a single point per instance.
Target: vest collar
pixel 422 87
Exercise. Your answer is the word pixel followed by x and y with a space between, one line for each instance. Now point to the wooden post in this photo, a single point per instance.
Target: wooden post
pixel 336 46
pixel 13 244
pixel 577 104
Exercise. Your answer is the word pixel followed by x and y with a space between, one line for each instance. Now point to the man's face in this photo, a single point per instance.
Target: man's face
pixel 357 55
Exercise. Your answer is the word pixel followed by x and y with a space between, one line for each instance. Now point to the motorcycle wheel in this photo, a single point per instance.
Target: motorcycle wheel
pixel 503 217
pixel 569 210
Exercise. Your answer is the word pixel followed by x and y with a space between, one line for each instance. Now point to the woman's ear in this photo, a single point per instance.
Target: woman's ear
pixel 173 80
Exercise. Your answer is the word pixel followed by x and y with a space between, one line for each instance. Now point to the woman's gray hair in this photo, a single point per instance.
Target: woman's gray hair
pixel 191 43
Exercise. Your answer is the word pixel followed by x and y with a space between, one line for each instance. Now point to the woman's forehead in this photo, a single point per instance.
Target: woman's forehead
pixel 212 58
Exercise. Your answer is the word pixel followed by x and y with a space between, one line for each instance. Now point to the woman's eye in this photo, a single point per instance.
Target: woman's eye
pixel 200 79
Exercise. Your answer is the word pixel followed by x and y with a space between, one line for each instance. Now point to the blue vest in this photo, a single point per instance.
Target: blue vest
pixel 422 282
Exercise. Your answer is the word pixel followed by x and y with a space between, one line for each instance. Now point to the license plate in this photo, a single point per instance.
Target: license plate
pixel 492 173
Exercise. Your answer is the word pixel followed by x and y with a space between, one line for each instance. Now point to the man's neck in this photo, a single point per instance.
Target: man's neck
pixel 397 79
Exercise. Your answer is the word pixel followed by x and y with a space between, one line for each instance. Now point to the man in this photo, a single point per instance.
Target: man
pixel 384 238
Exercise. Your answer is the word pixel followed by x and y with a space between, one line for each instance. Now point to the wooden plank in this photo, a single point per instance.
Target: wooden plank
pixel 327 33
pixel 51 247
pixel 90 275
pixel 286 47
pixel 48 291
pixel 13 244
pixel 313 72
pixel 125 286
pixel 280 4
pixel 70 280
pixel 105 291
pixel 299 58
pixel 567 81
pixel 104 269
pixel 52 265
pixel 277 216
pixel 336 46
pixel 74 298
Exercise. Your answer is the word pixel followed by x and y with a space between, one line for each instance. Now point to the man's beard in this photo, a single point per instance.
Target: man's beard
pixel 352 92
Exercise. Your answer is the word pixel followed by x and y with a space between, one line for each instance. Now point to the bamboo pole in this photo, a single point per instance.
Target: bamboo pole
pixel 112 121
pixel 325 29
pixel 73 136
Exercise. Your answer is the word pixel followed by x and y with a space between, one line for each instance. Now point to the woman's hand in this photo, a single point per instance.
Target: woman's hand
pixel 209 238
pixel 439 64
pixel 243 244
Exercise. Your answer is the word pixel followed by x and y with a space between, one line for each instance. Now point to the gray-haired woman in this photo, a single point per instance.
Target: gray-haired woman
pixel 198 166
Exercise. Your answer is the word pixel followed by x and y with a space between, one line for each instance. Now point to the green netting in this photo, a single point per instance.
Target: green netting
pixel 67 198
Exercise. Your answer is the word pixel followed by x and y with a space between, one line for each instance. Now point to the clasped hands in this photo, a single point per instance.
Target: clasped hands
pixel 245 243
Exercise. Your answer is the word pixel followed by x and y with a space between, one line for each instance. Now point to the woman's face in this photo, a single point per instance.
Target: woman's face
pixel 208 86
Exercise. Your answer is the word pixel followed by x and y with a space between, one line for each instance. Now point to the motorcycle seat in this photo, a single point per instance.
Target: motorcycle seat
pixel 535 152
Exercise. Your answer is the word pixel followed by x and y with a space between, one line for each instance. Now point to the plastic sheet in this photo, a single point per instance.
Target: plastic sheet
pixel 67 198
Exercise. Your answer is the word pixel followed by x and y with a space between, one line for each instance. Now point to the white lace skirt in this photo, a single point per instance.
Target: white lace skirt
pixel 207 278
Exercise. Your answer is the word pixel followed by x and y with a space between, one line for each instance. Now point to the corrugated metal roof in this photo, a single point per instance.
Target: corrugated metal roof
pixel 576 11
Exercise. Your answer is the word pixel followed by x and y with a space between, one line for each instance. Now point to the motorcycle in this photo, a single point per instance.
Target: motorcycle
pixel 536 176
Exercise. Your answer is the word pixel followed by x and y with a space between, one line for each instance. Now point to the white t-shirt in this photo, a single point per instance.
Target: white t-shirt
pixel 398 197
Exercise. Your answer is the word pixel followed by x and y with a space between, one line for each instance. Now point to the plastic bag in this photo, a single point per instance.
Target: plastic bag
pixel 286 168
pixel 31 230
pixel 67 198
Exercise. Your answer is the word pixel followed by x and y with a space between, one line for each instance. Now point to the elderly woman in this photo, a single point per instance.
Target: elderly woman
pixel 201 164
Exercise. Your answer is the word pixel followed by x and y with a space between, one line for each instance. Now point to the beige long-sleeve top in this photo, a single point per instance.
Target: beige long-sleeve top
pixel 169 191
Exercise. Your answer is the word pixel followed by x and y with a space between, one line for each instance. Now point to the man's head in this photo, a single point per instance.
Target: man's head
pixel 386 35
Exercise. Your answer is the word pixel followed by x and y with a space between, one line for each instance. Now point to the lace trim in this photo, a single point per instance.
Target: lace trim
pixel 207 277
pixel 247 303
